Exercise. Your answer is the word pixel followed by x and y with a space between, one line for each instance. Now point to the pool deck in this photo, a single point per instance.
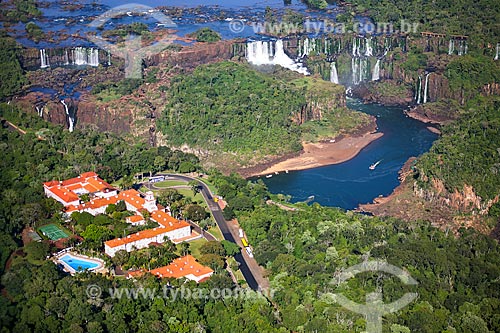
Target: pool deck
pixel 67 268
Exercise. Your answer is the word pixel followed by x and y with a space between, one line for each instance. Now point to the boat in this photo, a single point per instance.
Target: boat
pixel 374 165
pixel 269 176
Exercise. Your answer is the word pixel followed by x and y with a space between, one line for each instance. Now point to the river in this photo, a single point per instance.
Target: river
pixel 351 183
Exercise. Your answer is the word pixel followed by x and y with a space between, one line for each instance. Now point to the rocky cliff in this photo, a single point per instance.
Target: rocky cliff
pixel 190 57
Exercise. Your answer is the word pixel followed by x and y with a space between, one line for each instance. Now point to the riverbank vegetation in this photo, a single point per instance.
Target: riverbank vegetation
pixel 231 108
pixel 468 153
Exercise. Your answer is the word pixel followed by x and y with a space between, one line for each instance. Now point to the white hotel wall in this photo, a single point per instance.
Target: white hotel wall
pixel 142 243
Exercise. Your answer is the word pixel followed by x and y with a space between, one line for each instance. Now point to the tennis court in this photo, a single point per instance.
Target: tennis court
pixel 53 232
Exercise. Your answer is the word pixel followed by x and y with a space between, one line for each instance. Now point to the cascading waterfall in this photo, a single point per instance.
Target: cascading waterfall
pixel 44 59
pixel 426 87
pixel 84 56
pixel 451 47
pixel 333 73
pixel 66 57
pixel 109 58
pixel 308 47
pixel 498 50
pixel 460 48
pixel 368 47
pixel 355 47
pixel 71 121
pixel 354 69
pixel 362 69
pixel 419 89
pixel 39 110
pixel 261 53
pixel 376 71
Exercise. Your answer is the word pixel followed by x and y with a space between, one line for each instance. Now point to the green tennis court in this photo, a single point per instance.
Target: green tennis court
pixel 53 232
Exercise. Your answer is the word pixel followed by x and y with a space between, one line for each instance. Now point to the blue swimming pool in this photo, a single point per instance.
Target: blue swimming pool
pixel 78 264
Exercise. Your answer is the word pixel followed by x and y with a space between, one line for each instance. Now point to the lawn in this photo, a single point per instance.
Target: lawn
pixel 169 183
pixel 194 247
pixel 187 192
pixel 215 231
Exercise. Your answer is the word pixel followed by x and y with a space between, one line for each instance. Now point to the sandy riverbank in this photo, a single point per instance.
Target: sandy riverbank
pixel 324 153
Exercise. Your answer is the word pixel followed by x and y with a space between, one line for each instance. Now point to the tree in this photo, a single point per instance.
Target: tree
pixel 121 206
pixel 214 261
pixel 213 247
pixel 120 258
pixel 169 196
pixel 195 212
pixel 96 233
pixel 37 250
pixel 159 163
pixel 205 35
pixel 230 248
pixel 195 186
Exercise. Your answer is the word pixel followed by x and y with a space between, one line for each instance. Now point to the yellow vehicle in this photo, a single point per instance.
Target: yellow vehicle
pixel 216 199
pixel 244 242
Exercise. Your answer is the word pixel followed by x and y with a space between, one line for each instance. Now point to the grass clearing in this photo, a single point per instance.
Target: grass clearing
pixel 168 183
pixel 215 231
pixel 195 245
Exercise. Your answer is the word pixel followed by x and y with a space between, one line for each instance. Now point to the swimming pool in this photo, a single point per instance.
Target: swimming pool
pixel 78 264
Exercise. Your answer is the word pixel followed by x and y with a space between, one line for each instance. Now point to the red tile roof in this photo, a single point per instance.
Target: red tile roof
pixel 167 221
pixel 64 194
pixel 181 267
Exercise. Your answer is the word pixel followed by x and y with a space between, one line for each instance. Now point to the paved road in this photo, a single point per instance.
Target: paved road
pixel 250 270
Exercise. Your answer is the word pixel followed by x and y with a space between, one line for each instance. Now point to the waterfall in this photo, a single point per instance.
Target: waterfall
pixel 70 119
pixel 426 87
pixel 261 53
pixel 376 71
pixel 39 110
pixel 109 58
pixel 308 47
pixel 362 69
pixel 451 47
pixel 461 48
pixel 498 49
pixel 44 59
pixel 84 56
pixel 66 57
pixel 419 89
pixel 368 47
pixel 354 69
pixel 333 73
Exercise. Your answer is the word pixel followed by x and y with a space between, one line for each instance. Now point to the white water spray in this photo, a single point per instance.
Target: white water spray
pixel 376 71
pixel 261 53
pixel 333 73
pixel 71 121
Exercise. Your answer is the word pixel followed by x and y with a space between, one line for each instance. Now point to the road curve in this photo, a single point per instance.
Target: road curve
pixel 223 226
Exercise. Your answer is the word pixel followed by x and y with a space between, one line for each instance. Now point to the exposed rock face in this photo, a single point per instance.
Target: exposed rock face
pixel 316 110
pixel 465 200
pixel 370 93
pixel 30 57
pixel 436 113
pixel 52 109
pixel 191 57
pixel 105 117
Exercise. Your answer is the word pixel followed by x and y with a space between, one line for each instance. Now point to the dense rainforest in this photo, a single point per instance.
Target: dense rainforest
pixel 468 153
pixel 232 108
pixel 477 19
